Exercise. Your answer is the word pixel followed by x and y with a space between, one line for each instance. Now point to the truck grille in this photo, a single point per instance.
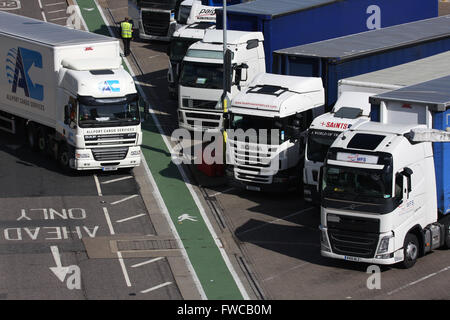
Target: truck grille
pixel 249 163
pixel 205 120
pixel 109 154
pixel 156 23
pixel 353 236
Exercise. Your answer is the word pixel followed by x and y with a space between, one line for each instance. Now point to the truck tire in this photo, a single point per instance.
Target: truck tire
pixel 64 157
pixel 410 250
pixel 42 141
pixel 32 137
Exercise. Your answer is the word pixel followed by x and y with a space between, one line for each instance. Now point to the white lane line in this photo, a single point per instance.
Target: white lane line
pixel 54 11
pixel 108 221
pixel 116 180
pixel 130 218
pixel 157 287
pixel 124 199
pixel 119 254
pixel 419 280
pixel 217 193
pixel 124 269
pixel 42 10
pixel 54 4
pixel 97 184
pixel 276 220
pixel 146 262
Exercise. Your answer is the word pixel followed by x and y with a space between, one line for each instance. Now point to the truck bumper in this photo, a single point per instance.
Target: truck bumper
pixel 397 257
pixel 133 159
pixel 283 181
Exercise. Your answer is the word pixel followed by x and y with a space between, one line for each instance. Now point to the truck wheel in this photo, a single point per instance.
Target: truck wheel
pixel 64 157
pixel 31 137
pixel 410 251
pixel 41 139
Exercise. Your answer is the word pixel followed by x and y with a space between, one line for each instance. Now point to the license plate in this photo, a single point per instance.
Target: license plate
pixel 253 188
pixel 352 258
pixel 109 168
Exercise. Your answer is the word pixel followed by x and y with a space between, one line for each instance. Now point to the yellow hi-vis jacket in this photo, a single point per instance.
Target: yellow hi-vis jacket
pixel 127 29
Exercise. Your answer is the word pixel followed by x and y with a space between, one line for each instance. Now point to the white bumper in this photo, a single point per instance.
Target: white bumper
pixel 86 161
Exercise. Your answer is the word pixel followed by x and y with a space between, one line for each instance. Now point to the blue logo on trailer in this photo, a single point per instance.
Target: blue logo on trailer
pixel 109 86
pixel 19 63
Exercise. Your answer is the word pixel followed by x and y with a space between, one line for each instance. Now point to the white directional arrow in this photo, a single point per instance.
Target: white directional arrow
pixel 186 217
pixel 59 270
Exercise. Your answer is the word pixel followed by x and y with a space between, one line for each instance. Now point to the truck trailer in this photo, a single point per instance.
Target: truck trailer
pixel 348 56
pixel 385 191
pixel 353 107
pixel 290 23
pixel 69 92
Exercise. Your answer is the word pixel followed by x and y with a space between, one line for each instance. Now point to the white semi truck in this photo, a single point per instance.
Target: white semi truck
pixel 69 92
pixel 201 76
pixel 266 120
pixel 385 191
pixel 353 108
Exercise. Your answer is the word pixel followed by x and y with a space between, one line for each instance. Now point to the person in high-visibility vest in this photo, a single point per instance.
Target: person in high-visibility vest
pixel 126 31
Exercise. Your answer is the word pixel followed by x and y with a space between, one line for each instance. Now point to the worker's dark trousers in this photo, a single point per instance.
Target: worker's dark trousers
pixel 126 46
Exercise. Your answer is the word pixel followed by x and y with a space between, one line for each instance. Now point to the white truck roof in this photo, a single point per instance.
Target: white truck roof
pixel 46 33
pixel 342 118
pixel 279 95
pixel 233 37
pixel 406 74
pixel 194 31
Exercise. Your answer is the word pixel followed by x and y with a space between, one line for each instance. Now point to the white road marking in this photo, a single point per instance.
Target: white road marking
pixel 108 221
pixel 146 262
pixel 130 218
pixel 157 287
pixel 54 4
pixel 119 254
pixel 54 11
pixel 217 193
pixel 419 280
pixel 42 11
pixel 124 199
pixel 124 269
pixel 116 180
pixel 58 19
pixel 276 220
pixel 97 184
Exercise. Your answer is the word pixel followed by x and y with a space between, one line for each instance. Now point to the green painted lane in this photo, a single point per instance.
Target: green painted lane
pixel 203 253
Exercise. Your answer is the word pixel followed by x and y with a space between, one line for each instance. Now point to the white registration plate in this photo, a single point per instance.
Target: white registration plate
pixel 253 188
pixel 109 168
pixel 349 258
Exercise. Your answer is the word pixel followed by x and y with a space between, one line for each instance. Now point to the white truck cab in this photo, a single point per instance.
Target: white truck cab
pixel 193 11
pixel 201 76
pixel 266 120
pixel 351 109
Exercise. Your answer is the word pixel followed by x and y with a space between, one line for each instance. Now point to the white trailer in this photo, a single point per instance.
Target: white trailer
pixel 68 90
pixel 353 108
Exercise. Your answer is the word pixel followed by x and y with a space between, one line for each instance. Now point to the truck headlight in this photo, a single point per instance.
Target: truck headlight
pixel 79 155
pixel 384 244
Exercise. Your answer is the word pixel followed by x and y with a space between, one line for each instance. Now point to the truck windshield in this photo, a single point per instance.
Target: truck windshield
pixel 356 184
pixel 202 75
pixel 178 48
pixel 100 114
pixel 183 14
pixel 246 122
pixel 319 141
